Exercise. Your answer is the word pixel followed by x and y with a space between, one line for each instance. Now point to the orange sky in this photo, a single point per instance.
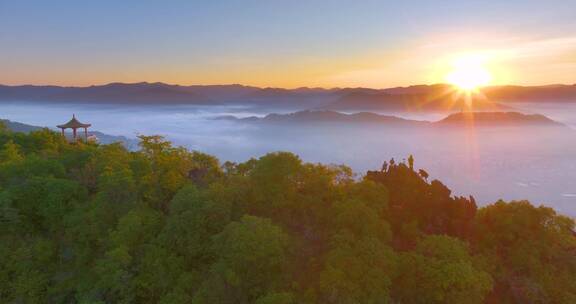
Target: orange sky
pixel 300 43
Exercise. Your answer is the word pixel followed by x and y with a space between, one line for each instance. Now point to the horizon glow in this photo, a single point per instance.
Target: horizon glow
pixel 292 44
pixel 468 73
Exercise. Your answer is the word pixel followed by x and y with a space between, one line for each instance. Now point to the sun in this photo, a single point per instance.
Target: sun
pixel 469 73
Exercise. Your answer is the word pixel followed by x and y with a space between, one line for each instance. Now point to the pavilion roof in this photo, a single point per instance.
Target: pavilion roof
pixel 74 124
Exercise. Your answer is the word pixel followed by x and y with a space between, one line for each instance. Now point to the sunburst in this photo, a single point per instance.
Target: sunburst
pixel 469 73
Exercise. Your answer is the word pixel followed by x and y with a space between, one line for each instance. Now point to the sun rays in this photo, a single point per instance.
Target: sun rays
pixel 465 77
pixel 469 73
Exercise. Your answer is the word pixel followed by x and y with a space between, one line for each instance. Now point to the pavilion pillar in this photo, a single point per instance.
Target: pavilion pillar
pixel 86 134
pixel 74 133
pixel 63 135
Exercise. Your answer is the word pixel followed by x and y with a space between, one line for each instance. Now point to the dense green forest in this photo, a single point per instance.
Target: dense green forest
pixel 88 223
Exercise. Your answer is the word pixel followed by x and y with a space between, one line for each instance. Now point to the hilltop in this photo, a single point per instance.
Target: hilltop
pixel 325 116
pixel 321 116
pixel 102 137
pixel 499 118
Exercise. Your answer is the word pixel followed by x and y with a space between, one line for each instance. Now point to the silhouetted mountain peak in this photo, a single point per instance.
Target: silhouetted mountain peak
pixel 461 118
pixel 498 118
pixel 322 116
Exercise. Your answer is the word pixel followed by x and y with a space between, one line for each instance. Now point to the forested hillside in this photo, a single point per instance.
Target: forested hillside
pixel 89 223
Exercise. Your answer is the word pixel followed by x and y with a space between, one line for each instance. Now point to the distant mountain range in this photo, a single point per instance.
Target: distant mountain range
pixel 419 97
pixel 415 102
pixel 443 97
pixel 161 93
pixel 110 93
pixel 331 117
pixel 102 137
pixel 460 118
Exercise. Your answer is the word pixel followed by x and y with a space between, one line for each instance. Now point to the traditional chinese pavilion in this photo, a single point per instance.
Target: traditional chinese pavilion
pixel 74 124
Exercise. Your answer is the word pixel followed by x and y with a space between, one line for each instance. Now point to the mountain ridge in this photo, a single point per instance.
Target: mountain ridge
pixel 412 97
pixel 460 118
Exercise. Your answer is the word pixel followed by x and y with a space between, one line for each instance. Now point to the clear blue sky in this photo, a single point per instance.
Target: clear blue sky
pixel 280 43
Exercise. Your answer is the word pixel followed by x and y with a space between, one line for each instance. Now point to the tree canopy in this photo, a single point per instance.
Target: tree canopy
pixel 89 223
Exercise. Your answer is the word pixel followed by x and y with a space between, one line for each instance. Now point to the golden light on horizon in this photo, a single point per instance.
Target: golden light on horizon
pixel 468 73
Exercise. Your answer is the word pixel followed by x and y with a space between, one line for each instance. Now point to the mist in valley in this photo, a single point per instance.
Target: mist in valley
pixel 511 163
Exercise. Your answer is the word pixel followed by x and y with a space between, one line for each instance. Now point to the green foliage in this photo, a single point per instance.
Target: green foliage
pixel 530 251
pixel 166 169
pixel 276 298
pixel 250 260
pixel 440 270
pixel 357 271
pixel 10 153
pixel 87 223
pixel 3 127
